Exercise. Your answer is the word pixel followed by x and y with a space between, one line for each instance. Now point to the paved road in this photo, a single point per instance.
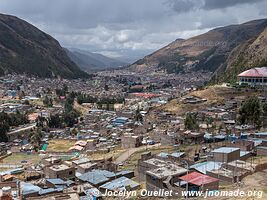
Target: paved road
pixel 123 157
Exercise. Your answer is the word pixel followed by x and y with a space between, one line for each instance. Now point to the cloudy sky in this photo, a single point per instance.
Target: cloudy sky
pixel 130 29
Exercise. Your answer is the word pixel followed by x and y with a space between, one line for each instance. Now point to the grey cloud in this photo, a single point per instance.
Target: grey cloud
pixel 181 6
pixel 215 4
pixel 130 28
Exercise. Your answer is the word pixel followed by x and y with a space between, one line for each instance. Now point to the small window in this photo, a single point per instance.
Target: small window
pixel 70 172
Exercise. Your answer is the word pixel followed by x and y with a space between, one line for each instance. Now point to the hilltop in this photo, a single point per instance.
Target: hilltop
pixel 26 49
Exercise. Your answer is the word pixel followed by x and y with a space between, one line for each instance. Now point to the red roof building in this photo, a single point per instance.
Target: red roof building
pixel 254 76
pixel 201 181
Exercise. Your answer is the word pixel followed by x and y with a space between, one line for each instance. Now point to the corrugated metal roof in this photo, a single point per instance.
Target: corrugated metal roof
pixel 198 179
pixel 50 190
pixel 206 166
pixel 120 184
pixel 96 177
pixel 28 188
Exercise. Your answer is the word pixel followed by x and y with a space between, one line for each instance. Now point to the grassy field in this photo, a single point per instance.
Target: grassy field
pixel 16 158
pixel 60 145
pixel 213 94
pixel 113 153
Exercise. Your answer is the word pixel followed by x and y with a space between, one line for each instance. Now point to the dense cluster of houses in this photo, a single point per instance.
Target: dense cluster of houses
pixel 75 175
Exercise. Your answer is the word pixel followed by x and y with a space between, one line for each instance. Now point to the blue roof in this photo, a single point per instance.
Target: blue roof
pixel 28 188
pixel 206 166
pixel 92 192
pixel 120 184
pixel 177 154
pixel 97 176
pixel 225 150
pixel 122 118
pixel 56 181
pixel 243 153
pixel 50 190
pixel 12 171
pixel 261 134
pixel 163 155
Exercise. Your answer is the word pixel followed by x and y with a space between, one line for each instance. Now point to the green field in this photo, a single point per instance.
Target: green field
pixel 60 145
pixel 16 158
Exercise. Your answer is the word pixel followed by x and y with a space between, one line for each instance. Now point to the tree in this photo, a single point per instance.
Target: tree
pixel 48 102
pixel 106 88
pixel 55 121
pixel 70 118
pixel 264 109
pixel 4 128
pixel 138 116
pixel 209 122
pixel 7 120
pixel 40 121
pixel 36 137
pixel 251 112
pixel 26 102
pixel 191 122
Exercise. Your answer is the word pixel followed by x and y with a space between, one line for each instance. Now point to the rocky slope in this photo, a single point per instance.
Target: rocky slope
pixel 212 51
pixel 252 53
pixel 26 49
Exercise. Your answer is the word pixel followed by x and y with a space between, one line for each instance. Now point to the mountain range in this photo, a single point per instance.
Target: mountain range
pixel 225 51
pixel 26 49
pixel 91 62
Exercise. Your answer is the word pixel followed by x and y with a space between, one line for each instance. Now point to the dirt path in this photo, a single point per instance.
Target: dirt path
pixel 123 157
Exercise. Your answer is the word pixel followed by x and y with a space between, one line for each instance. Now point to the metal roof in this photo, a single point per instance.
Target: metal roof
pixel 50 190
pixel 120 184
pixel 28 188
pixel 243 153
pixel 56 181
pixel 206 166
pixel 198 179
pixel 96 177
pixel 225 150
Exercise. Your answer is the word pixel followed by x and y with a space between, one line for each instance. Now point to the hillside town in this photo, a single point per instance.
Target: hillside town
pixel 121 134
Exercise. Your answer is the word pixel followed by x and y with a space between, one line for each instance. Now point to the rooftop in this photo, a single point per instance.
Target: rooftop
pixel 81 161
pixel 255 72
pixel 225 150
pixel 198 179
pixel 97 176
pixel 87 165
pixel 120 184
pixel 156 162
pixel 59 167
pixel 206 166
pixel 169 170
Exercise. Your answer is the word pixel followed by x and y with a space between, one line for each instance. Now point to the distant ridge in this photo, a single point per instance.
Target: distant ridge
pixel 89 61
pixel 225 51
